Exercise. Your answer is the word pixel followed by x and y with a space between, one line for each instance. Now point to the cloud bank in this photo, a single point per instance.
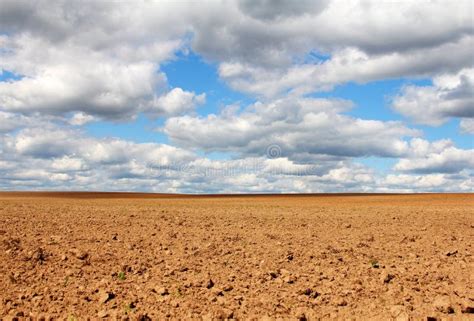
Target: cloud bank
pixel 66 66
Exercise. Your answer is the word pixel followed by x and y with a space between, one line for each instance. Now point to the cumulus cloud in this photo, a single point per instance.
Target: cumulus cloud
pixel 74 64
pixel 346 65
pixel 97 60
pixel 271 33
pixel 88 163
pixel 436 157
pixel 41 158
pixel 92 48
pixel 175 102
pixel 76 79
pixel 429 183
pixel 107 90
pixel 263 52
pixel 300 127
pixel 452 95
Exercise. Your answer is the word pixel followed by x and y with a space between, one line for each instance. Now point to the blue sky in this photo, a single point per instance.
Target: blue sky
pixel 262 96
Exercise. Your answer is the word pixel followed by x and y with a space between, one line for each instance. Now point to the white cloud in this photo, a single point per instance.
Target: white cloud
pixel 94 60
pixel 11 121
pixel 436 157
pixel 300 127
pixel 77 80
pixel 452 95
pixel 102 58
pixel 346 65
pixel 42 158
pixel 79 119
pixel 467 126
pixel 273 33
pixel 428 183
pixel 176 101
pixel 87 163
pixel 67 163
pixel 76 64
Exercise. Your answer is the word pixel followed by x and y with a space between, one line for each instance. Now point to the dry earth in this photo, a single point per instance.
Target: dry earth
pixel 141 257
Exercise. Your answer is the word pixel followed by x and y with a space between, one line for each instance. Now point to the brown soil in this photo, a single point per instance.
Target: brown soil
pixel 118 256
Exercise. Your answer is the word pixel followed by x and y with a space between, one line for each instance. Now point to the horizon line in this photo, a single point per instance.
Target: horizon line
pixel 130 194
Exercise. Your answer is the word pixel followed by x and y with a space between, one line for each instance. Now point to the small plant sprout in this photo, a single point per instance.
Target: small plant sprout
pixel 374 263
pixel 128 308
pixel 71 317
pixel 121 275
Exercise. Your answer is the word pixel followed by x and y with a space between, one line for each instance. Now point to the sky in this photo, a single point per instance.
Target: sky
pixel 237 96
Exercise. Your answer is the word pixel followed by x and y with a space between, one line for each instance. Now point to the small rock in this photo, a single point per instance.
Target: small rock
pixel 273 274
pixel 451 253
pixel 105 296
pixel 340 302
pixel 467 307
pixel 217 292
pixel 399 313
pixel 443 304
pixel 228 288
pixel 348 226
pixel 81 255
pixel 307 291
pixel 143 317
pixel 387 277
pixel 209 284
pixel 162 291
pixel 39 255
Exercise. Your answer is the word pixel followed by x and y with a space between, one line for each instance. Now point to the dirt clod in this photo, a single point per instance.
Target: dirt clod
pixel 209 284
pixel 387 277
pixel 81 255
pixel 143 317
pixel 105 296
pixel 442 304
pixel 452 253
pixel 162 291
pixel 467 306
